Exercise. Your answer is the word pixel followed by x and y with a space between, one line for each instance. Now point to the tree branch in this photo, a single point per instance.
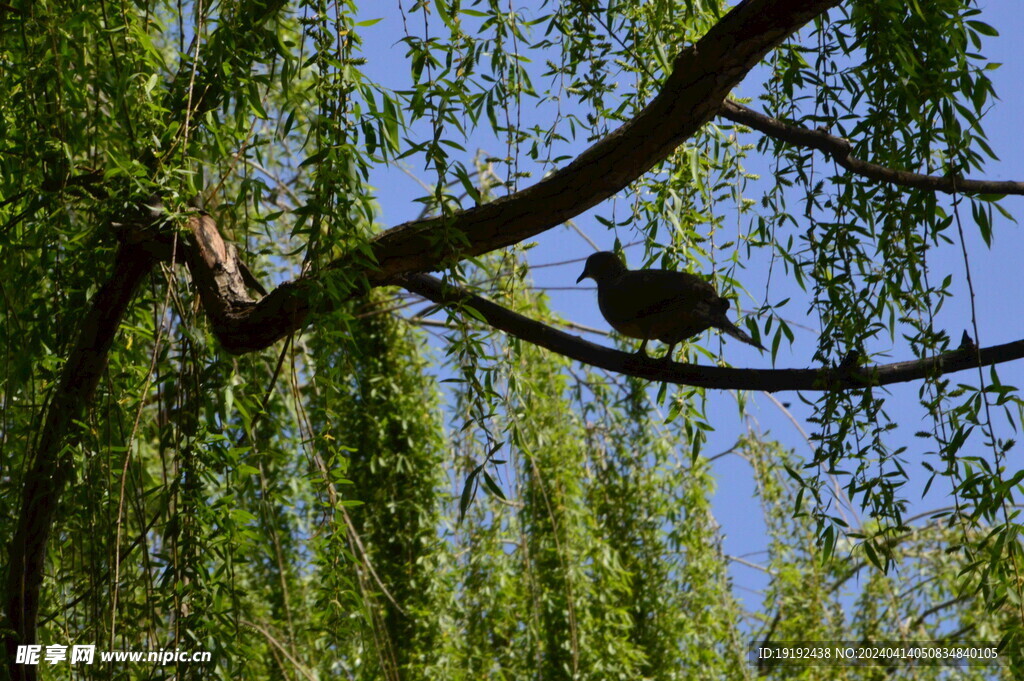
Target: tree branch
pixel 51 467
pixel 702 77
pixel 840 151
pixel 239 322
pixel 722 378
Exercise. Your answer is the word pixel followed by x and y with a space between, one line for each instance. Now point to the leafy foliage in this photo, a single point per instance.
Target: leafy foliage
pixel 393 495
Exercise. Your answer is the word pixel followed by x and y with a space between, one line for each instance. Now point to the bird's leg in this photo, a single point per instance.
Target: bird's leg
pixel 668 355
pixel 643 348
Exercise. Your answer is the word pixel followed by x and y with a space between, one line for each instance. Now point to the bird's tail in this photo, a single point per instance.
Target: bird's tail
pixel 735 332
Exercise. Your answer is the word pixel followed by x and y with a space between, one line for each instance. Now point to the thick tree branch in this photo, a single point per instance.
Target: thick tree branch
pixel 840 150
pixel 239 322
pixel 770 380
pixel 702 77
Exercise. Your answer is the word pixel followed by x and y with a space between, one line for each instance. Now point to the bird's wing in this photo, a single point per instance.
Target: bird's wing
pixel 659 304
pixel 661 291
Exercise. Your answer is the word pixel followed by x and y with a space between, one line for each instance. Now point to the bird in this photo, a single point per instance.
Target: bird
pixel 657 304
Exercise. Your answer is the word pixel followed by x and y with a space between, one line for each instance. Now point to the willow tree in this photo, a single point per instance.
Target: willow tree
pixel 224 430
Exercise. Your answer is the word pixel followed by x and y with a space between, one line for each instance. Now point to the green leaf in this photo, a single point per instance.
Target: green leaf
pixel 469 491
pixel 983 28
pixel 493 487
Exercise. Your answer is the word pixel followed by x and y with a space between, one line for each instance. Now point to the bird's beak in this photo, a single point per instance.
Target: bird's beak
pixel 583 276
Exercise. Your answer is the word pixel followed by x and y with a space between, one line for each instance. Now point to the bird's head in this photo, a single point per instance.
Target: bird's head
pixel 602 266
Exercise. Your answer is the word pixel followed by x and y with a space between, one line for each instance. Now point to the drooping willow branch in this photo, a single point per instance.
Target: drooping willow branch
pixel 703 75
pixel 840 150
pixel 770 380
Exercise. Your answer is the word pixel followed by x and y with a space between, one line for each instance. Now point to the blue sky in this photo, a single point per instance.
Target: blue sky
pixel 994 272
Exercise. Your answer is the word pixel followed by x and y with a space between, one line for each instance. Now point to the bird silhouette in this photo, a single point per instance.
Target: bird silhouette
pixel 657 304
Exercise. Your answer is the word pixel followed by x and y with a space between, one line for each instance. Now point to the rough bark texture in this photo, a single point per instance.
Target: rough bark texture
pixel 240 323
